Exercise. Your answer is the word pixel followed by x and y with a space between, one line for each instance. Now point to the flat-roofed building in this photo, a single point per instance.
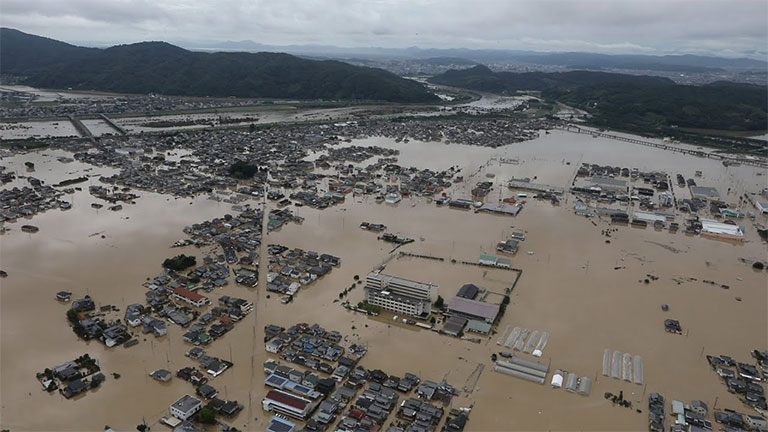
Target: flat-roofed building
pixel 705 193
pixel 400 295
pixel 609 184
pixel 721 230
pixel 277 424
pixel 186 407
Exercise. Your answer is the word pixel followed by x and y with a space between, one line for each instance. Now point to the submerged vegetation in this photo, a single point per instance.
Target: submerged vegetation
pixel 243 170
pixel 373 309
pixel 179 262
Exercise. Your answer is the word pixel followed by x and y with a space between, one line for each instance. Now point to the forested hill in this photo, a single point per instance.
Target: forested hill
pixel 158 67
pixel 22 53
pixel 630 102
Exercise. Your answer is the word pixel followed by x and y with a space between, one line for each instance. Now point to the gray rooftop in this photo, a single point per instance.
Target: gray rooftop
pixel 186 403
pixel 705 192
pixel 277 424
pixel 608 181
pixel 475 308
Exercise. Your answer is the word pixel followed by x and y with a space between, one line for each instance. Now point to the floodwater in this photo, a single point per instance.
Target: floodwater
pixel 64 128
pixel 139 124
pixel 37 129
pixel 49 95
pixel 570 287
pixel 99 127
pixel 496 102
pixel 203 120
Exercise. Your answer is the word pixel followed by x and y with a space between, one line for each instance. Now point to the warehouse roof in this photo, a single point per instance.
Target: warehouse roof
pixel 487 311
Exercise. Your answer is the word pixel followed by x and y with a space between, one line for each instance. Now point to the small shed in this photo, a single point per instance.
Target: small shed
pixel 557 379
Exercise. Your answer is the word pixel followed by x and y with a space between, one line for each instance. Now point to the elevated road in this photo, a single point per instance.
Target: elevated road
pixel 699 153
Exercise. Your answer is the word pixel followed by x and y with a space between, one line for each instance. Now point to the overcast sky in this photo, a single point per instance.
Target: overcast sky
pixel 726 27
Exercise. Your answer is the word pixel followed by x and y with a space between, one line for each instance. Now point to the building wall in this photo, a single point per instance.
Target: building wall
pixel 402 287
pixel 763 207
pixel 271 405
pixel 201 302
pixel 185 415
pixel 373 297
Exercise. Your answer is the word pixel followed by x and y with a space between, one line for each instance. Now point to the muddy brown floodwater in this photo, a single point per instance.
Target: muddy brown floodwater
pixel 569 287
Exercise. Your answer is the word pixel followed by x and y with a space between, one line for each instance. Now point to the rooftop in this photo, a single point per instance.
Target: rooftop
pixel 277 424
pixel 704 192
pixel 387 279
pixel 468 291
pixel 186 403
pixel 195 297
pixel 720 228
pixel 608 181
pixel 287 399
pixel 474 308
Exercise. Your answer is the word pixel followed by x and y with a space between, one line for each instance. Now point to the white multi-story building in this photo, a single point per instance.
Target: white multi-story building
pixel 400 295
pixel 186 407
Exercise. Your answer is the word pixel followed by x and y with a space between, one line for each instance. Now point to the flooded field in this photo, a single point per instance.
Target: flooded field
pixel 41 95
pixel 587 293
pixel 99 127
pixel 204 120
pixel 170 122
pixel 37 129
pixel 490 101
pixel 182 121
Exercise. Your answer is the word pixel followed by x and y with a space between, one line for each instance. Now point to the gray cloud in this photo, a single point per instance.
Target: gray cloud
pixel 729 28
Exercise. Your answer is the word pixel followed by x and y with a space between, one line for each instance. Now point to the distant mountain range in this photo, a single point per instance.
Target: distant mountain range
pixel 630 102
pixel 572 60
pixel 484 79
pixel 159 67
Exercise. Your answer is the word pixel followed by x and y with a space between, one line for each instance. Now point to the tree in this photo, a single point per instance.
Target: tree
pixel 72 316
pixel 439 303
pixel 243 170
pixel 179 262
pixel 206 415
pixel 370 308
pixel 758 265
pixel 141 428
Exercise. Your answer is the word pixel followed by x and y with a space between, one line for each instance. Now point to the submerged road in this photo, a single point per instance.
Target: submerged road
pixel 258 354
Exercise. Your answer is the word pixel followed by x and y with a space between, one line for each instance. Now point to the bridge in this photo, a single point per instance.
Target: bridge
pixel 81 128
pixel 114 125
pixel 699 153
